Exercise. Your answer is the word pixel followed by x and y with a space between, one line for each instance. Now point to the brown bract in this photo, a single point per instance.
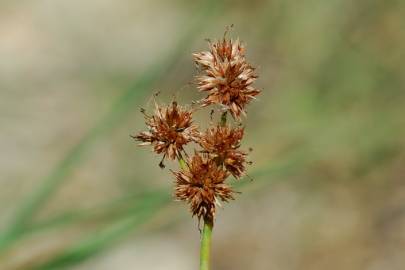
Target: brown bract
pixel 169 129
pixel 222 142
pixel 201 185
pixel 228 77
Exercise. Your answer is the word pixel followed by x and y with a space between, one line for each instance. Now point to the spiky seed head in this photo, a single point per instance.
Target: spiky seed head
pixel 169 130
pixel 227 77
pixel 223 143
pixel 202 185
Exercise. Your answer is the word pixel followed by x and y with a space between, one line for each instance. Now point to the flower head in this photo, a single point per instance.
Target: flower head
pixel 202 185
pixel 169 130
pixel 223 142
pixel 228 77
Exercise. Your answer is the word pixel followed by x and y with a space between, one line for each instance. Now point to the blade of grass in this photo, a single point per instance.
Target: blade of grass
pixel 109 211
pixel 118 110
pixel 102 239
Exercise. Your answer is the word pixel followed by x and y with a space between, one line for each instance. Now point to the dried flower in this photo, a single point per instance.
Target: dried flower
pixel 222 142
pixel 202 185
pixel 228 77
pixel 169 129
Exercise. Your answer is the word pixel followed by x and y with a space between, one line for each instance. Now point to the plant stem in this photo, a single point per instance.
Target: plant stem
pixel 205 249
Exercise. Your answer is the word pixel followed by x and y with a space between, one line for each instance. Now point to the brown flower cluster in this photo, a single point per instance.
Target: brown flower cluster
pixel 227 78
pixel 202 185
pixel 169 130
pixel 201 180
pixel 222 143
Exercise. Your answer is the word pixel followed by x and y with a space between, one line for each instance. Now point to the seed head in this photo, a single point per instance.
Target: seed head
pixel 201 186
pixel 228 77
pixel 169 130
pixel 223 142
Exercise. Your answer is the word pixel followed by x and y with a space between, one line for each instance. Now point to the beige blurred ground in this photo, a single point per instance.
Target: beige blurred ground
pixel 328 132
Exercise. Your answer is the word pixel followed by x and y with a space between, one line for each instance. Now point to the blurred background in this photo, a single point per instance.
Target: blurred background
pixel 328 134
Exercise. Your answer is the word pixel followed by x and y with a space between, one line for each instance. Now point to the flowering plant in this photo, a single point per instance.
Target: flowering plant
pixel 227 79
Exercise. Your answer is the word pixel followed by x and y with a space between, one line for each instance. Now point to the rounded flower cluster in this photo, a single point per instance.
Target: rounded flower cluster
pixel 202 185
pixel 169 130
pixel 222 143
pixel 227 77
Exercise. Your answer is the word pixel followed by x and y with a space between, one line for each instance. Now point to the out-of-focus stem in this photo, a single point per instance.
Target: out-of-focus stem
pixel 205 249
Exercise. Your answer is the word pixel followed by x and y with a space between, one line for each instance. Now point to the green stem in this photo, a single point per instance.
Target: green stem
pixel 205 249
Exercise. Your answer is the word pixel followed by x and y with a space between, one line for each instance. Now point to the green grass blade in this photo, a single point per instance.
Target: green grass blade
pixel 100 240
